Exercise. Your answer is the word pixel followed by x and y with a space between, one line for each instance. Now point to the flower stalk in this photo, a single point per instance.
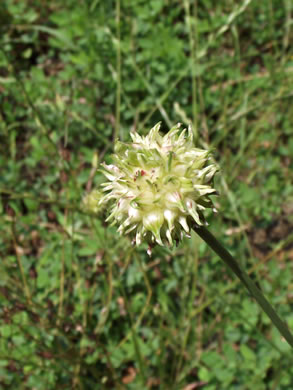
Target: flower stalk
pixel 229 260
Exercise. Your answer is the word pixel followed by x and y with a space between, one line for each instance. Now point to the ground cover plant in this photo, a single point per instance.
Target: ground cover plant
pixel 80 306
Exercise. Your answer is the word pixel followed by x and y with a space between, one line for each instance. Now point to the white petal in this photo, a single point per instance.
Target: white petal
pixel 169 217
pixel 134 214
pixel 183 223
pixel 169 236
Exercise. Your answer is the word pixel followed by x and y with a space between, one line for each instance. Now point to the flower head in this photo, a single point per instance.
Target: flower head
pixel 158 185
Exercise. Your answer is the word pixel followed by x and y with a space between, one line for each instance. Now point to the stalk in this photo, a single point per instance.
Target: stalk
pixel 215 245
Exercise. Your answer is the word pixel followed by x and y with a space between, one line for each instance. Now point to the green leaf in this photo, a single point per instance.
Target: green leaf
pixel 247 353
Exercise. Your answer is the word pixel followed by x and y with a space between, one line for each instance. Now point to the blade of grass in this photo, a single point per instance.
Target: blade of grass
pixel 135 339
pixel 118 65
pixel 20 266
pixel 193 38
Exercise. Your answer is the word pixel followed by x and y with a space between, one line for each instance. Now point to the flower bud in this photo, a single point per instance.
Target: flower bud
pixel 91 200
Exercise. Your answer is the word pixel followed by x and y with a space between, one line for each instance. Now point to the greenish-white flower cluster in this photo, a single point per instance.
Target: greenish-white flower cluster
pixel 159 186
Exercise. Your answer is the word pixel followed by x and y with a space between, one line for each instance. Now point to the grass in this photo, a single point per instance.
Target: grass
pixel 79 307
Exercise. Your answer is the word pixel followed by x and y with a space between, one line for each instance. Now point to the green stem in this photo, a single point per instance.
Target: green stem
pixel 214 244
pixel 118 65
pixel 193 37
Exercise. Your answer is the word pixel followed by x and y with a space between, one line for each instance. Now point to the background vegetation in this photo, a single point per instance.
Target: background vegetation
pixel 80 308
